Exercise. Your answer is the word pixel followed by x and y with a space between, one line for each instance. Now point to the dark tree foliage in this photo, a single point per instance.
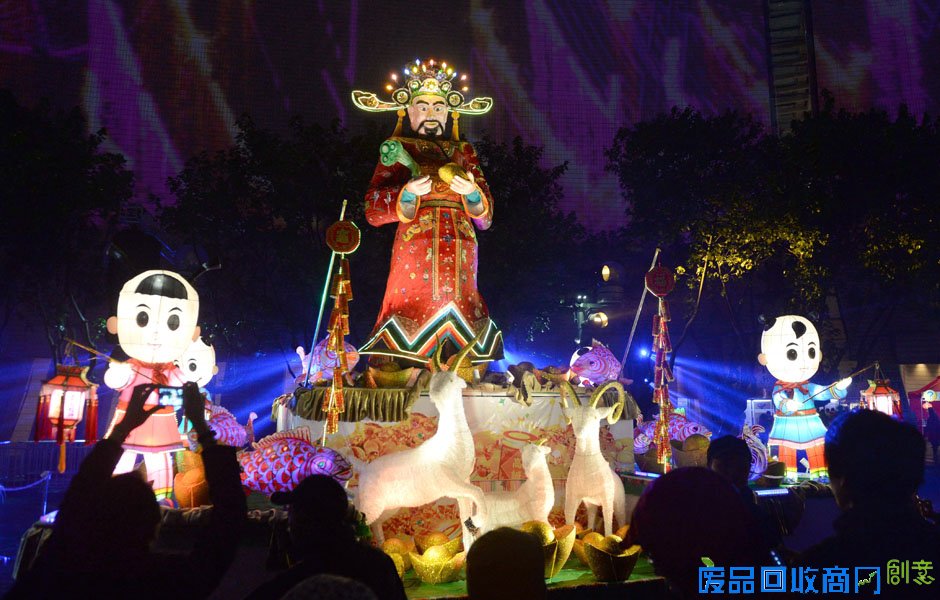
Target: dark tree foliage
pixel 261 209
pixel 531 257
pixel 840 210
pixel 61 198
pixel 705 189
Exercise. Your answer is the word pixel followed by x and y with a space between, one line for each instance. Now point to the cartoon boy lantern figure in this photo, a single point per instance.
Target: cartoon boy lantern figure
pixel 198 363
pixel 790 351
pixel 155 324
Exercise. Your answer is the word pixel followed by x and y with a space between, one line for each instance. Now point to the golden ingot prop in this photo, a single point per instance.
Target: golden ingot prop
pixel 649 461
pixel 399 547
pixel 399 561
pixel 556 544
pixel 435 538
pixel 611 566
pixel 390 375
pixel 440 563
pixel 692 452
pixel 773 475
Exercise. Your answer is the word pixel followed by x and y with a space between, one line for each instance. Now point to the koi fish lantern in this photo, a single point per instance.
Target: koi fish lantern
pixel 282 460
pixel 595 364
pixel 227 430
pixel 324 361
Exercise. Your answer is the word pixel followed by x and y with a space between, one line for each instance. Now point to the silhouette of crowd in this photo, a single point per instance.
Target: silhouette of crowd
pixel 101 544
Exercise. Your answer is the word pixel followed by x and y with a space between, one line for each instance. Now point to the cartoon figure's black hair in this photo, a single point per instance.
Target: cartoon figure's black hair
pixel 163 285
pixel 799 328
pixel 765 322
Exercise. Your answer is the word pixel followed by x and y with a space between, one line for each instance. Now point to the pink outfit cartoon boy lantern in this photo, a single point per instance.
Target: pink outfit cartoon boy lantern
pixel 155 324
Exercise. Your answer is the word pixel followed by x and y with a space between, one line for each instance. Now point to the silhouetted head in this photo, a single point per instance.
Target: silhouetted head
pixel 730 457
pixel 317 505
pixel 873 459
pixel 692 513
pixel 126 518
pixel 330 587
pixel 506 563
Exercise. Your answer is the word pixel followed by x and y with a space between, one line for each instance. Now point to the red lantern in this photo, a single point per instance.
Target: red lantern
pixel 881 397
pixel 63 401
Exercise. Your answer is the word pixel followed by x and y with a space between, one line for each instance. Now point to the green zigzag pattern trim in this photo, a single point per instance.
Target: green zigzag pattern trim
pixel 485 350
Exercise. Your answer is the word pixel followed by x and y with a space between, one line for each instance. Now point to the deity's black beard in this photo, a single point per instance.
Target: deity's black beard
pixel 439 133
pixel 431 134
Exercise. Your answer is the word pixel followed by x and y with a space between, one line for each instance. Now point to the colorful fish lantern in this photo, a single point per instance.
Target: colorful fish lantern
pixel 595 364
pixel 324 361
pixel 227 430
pixel 680 428
pixel 282 460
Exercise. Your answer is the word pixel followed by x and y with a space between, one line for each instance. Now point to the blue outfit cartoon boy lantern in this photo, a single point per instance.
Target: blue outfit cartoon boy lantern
pixel 790 351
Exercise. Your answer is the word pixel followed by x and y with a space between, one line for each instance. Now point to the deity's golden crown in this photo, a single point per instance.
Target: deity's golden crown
pixel 424 78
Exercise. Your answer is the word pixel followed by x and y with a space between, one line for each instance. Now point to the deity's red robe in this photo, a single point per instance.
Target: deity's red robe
pixel 432 292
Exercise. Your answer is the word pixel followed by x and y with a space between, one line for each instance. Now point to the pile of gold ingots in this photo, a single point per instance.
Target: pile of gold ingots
pixel 437 559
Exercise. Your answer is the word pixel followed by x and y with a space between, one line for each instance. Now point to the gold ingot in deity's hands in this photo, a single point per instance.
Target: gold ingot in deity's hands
pixel 451 170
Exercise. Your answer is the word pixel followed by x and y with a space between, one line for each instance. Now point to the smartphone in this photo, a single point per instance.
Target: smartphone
pixel 170 396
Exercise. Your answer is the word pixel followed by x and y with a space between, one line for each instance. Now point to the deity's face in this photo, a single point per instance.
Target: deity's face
pixel 198 363
pixel 428 115
pixel 790 349
pixel 156 317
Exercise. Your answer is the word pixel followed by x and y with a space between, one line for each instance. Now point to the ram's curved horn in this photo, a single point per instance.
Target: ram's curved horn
pixel 565 389
pixel 462 354
pixel 435 363
pixel 618 405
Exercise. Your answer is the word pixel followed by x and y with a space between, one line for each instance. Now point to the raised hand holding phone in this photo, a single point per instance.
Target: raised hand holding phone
pixel 136 413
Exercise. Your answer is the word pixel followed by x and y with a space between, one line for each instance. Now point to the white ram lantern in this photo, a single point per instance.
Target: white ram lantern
pixel 534 498
pixel 438 468
pixel 590 478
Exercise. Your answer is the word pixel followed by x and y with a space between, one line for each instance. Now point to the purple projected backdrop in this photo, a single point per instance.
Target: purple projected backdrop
pixel 168 79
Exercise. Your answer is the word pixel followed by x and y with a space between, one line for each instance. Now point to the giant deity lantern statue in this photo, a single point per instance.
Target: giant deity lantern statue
pixel 433 189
